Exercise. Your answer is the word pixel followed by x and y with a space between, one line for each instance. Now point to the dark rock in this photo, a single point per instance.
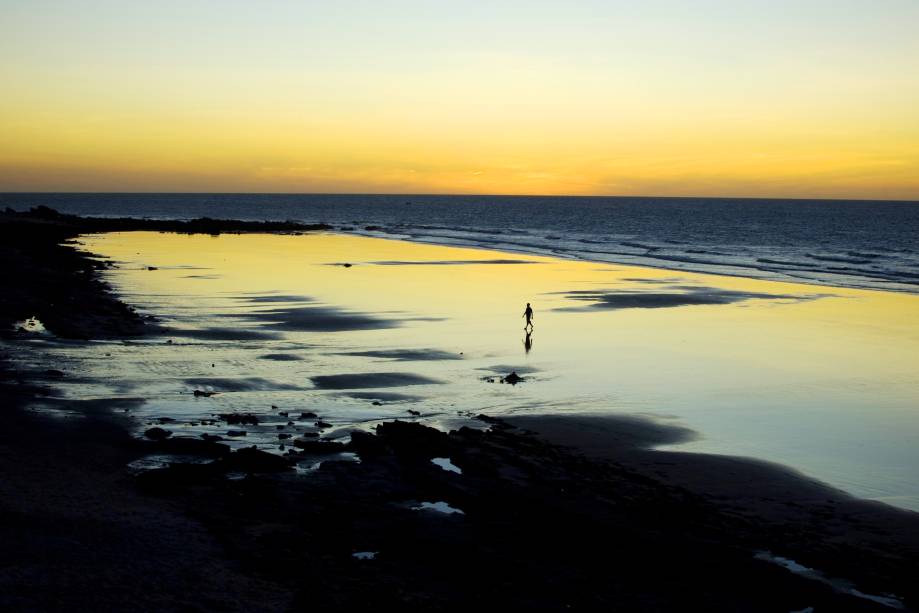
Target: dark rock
pixel 236 433
pixel 203 393
pixel 308 415
pixel 318 447
pixel 157 434
pixel 51 372
pixel 236 419
pixel 185 445
pixel 283 413
pixel 414 439
pixel 415 413
pixel 512 378
pixel 323 424
pixel 377 403
pixel 211 437
pixel 255 460
pixel 284 435
pixel 367 445
pixel 346 265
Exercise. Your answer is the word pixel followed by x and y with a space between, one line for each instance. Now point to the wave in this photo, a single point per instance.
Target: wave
pixel 838 258
pixel 862 270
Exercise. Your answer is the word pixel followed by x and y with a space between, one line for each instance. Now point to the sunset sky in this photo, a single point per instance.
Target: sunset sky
pixel 777 98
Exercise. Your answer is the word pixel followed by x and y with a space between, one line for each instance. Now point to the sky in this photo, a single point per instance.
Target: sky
pixel 751 98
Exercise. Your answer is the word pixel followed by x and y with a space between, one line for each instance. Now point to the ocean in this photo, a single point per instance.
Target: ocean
pixel 857 244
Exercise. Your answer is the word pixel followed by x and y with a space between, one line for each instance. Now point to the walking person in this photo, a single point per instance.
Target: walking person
pixel 528 315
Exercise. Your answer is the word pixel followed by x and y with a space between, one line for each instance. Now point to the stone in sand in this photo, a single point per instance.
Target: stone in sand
pixel 255 460
pixel 235 419
pixel 157 434
pixel 310 446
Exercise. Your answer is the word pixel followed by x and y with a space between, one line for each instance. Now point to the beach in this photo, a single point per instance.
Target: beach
pixel 821 379
pixel 608 477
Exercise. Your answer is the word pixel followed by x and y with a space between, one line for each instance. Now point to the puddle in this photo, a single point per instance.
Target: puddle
pixel 302 468
pixel 440 507
pixel 57 413
pixel 309 467
pixel 365 555
pixel 447 465
pixel 31 325
pixel 163 460
pixel 840 585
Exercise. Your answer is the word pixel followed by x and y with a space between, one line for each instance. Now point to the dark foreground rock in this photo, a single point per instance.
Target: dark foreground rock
pixel 78 535
pixel 531 526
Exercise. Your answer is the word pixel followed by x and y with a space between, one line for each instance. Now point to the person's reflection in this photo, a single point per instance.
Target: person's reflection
pixel 528 340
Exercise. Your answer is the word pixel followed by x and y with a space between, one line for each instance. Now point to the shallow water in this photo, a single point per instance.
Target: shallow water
pixel 823 379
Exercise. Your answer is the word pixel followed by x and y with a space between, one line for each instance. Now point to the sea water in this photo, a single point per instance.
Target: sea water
pixel 867 244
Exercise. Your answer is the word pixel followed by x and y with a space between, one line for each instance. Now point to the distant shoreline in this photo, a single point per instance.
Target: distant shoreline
pixel 854 244
pixel 39 239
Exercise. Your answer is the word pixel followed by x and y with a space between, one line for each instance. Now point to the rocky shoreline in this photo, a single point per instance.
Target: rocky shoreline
pixel 535 514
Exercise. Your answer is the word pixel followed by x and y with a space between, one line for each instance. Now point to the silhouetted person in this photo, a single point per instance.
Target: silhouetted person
pixel 528 341
pixel 528 314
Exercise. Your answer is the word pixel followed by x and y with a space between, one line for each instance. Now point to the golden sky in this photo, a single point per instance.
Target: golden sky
pixel 715 97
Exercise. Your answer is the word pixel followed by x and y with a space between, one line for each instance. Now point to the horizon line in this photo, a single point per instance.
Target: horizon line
pixel 454 195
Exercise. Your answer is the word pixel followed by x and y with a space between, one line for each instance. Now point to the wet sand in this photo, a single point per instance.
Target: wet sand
pixel 821 379
pixel 581 516
pixel 816 525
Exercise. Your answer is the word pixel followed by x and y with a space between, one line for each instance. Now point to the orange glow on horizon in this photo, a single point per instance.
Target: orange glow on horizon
pixel 674 105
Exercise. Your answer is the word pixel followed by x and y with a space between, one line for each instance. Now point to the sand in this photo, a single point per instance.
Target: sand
pixel 558 512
